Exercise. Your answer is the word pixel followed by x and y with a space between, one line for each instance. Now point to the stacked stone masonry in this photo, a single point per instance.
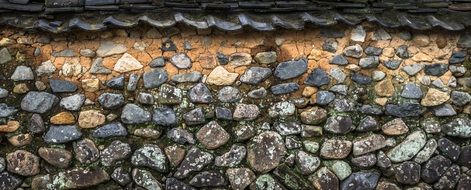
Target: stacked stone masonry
pixel 357 107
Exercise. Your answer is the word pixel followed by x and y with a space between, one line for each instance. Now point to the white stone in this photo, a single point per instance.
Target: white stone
pixel 127 63
pixel 220 76
pixel 46 68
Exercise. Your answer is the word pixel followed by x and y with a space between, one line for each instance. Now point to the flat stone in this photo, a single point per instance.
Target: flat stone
pixel 392 64
pixel 287 128
pixel 361 180
pixel 191 77
pixel 115 152
pixel 220 76
pixel 174 184
pixel 200 93
pixel 364 161
pixel 115 129
pixel 355 51
pixel 335 149
pixel 258 93
pixel 73 102
pixel 64 53
pixel 212 135
pixel 240 178
pixel 127 63
pixel 3 93
pixel 116 82
pixel 145 179
pixel 341 169
pixel 111 100
pixel 208 179
pixel 435 168
pixel 59 86
pixel 98 67
pixel 91 119
pixel 154 78
pixel 460 98
pixel 169 95
pixel 435 69
pixel 108 48
pixel 240 59
pixel 194 117
pixel 449 149
pixel 246 112
pixel 290 69
pixel 5 56
pixel 339 124
pixel 412 91
pixel 281 109
pixel 413 69
pixel 22 73
pixel 121 176
pixel 255 75
pixel 367 124
pixel 86 151
pixel 194 161
pixel 338 75
pixel 381 34
pixel 361 79
pixel 133 114
pixel 223 113
pixel 265 151
pixel 266 57
pixel 426 152
pixel 434 97
pixel 181 61
pixel 229 94
pixel 324 97
pixel 313 116
pixel 330 45
pixel 339 60
pixel 151 156
pixel 38 102
pixel 444 110
pixel 57 157
pixel 404 110
pixel 368 144
pixel 63 118
pixel 408 148
pixel 180 136
pixel 91 85
pixel 449 178
pixel 407 173
pixel 284 88
pixel 369 62
pixel 164 116
pixel 77 178
pixel 62 134
pixel 317 78
pixel 87 53
pixel 370 50
pixel 232 158
pixel 395 127
pixel 23 163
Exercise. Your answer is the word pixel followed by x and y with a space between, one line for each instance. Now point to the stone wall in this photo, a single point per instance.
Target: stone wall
pixel 332 108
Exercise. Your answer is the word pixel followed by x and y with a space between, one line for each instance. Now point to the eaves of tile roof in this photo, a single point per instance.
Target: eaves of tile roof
pixel 230 15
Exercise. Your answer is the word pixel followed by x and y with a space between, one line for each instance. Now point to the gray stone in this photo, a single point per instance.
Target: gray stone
pixel 367 124
pixel 145 179
pixel 338 75
pixel 212 135
pixel 154 78
pixel 266 57
pixel 381 34
pixel 265 181
pixel 402 51
pixel 324 97
pixel 407 173
pixel 115 129
pixel 258 93
pixel 108 48
pixel 444 110
pixel 157 62
pixel 133 114
pixel 392 63
pixel 194 117
pixel 339 60
pixel 411 90
pixel 22 73
pixel 358 34
pixel 240 59
pixel 180 136
pixel 457 57
pixel 281 109
pixel 181 61
pixel 174 184
pixel 364 161
pixel 98 67
pixel 36 124
pixel 369 62
pixel 307 163
pixel 46 68
pixel 460 98
pixel 408 148
pixel 361 78
pixel 62 134
pixel 255 75
pixel 426 152
pixel 437 69
pixel 191 77
pixel 64 53
pixel 413 69
pixel 194 161
pixel 86 151
pixel 133 81
pixel 404 109
pixel 355 51
pixel 339 89
pixel 317 78
pixel 59 86
pixel 339 124
pixel 240 178
pixel 449 178
pixel 169 95
pixel 246 112
pixel 361 180
pixel 378 75
pixel 223 113
pixel 330 45
pixel 38 102
pixel 111 100
pixel 284 88
pixel 291 69
pixel 200 94
pixel 341 169
pixel 121 176
pixel 232 158
pixel 368 144
pixel 116 82
pixel 458 127
pixel 5 56
pixel 373 51
pixel 465 40
pixel 229 94
pixel 145 98
pixel 449 149
pixel 335 149
pixel 150 156
pixel 6 110
pixel 261 158
pixel 87 53
pixel 115 152
pixel 3 93
pixel 73 102
pixel 208 179
pixel 164 116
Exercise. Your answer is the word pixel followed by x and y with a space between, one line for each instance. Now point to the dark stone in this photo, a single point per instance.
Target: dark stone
pixel 287 128
pixel 38 102
pixel 77 178
pixel 465 157
pixel 291 69
pixel 255 75
pixel 168 45
pixel 9 181
pixel 85 151
pixel 339 60
pixel 339 124
pixel 180 136
pixel 362 180
pixel 412 90
pixel 164 116
pixel 458 127
pixel 364 161
pixel 317 78
pixel 284 88
pixel 449 149
pixel 200 94
pixel 115 152
pixel 232 158
pixel 402 51
pixel 223 113
pixel 291 179
pixel 58 86
pixel 222 59
pixel 371 110
pixel 324 97
pixel 194 76
pixel 265 151
pixel 404 110
pixel 434 168
pixel 229 94
pixel 115 129
pixel 62 134
pixel 334 32
pixel 444 110
pixel 208 179
pixel 57 157
pixel 194 161
pixel 369 62
pixel 408 173
pixel 435 69
pixel 325 179
pixel 212 135
pixel 154 78
pixel 116 82
pixel 175 184
pixel 460 98
pixel 194 117
pixel 111 100
pixel 463 184
pixel 361 79
pixel 6 110
pixel 367 124
pixel 330 45
pixel 449 179
pixel 392 63
pixel 121 176
pixel 373 51
pixel 145 179
pixel 258 93
pixel 457 57
pixel 150 156
pixel 133 114
pixel 36 124
pixel 157 62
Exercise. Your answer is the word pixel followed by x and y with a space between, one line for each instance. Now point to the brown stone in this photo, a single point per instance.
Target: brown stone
pixel 434 97
pixel 175 154
pixel 212 135
pixel 63 118
pixel 441 41
pixel 20 88
pixel 395 127
pixel 91 119
pixel 91 85
pixel 336 149
pixel 57 157
pixel 20 139
pixel 23 163
pixel 384 88
pixel 421 57
pixel 11 126
pixel 421 40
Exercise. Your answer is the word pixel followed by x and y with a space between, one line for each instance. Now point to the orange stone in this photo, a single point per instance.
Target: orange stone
pixel 63 118
pixel 10 126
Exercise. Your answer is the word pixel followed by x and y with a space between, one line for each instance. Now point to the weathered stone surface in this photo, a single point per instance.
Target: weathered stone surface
pixel 164 116
pixel 361 180
pixel 85 151
pixel 114 153
pixel 240 59
pixel 208 179
pixel 246 112
pixel 240 178
pixel 355 51
pixel 91 119
pixel 115 129
pixel 22 73
pixel 193 76
pixel 339 124
pixel 435 69
pixel 324 179
pixel 57 157
pixel 62 134
pixel 108 48
pixel 255 75
pixel 434 97
pixel 229 94
pixel 449 149
pixel 116 82
pixel 194 161
pixel 150 156
pixel 200 94
pixel 288 128
pixel 290 69
pixel 336 149
pixel 434 168
pixel 145 179
pixel 404 110
pixel 77 178
pixel 180 136
pixel 174 184
pixel 339 60
pixel 98 67
pixel 63 118
pixel 290 179
pixel 266 181
pixel 324 97
pixel 232 158
pixel 212 135
pixel 407 173
pixel 23 163
pixel 5 56
pixel 38 102
pixel 368 144
pixel 194 117
pixel 154 78
pixel 265 151
pixel 281 109
pixel 317 77
pixel 284 88
pixel 408 148
pixel 307 163
pixel 313 116
pixel 73 102
pixel 111 100
pixel 220 76
pixel 266 57
pixel 127 63
pixel 181 61
pixel 395 127
pixel 133 114
pixel 458 127
pixel 9 182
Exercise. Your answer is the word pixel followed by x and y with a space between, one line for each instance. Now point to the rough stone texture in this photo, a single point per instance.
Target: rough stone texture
pixel 290 69
pixel 38 102
pixel 212 135
pixel 265 151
